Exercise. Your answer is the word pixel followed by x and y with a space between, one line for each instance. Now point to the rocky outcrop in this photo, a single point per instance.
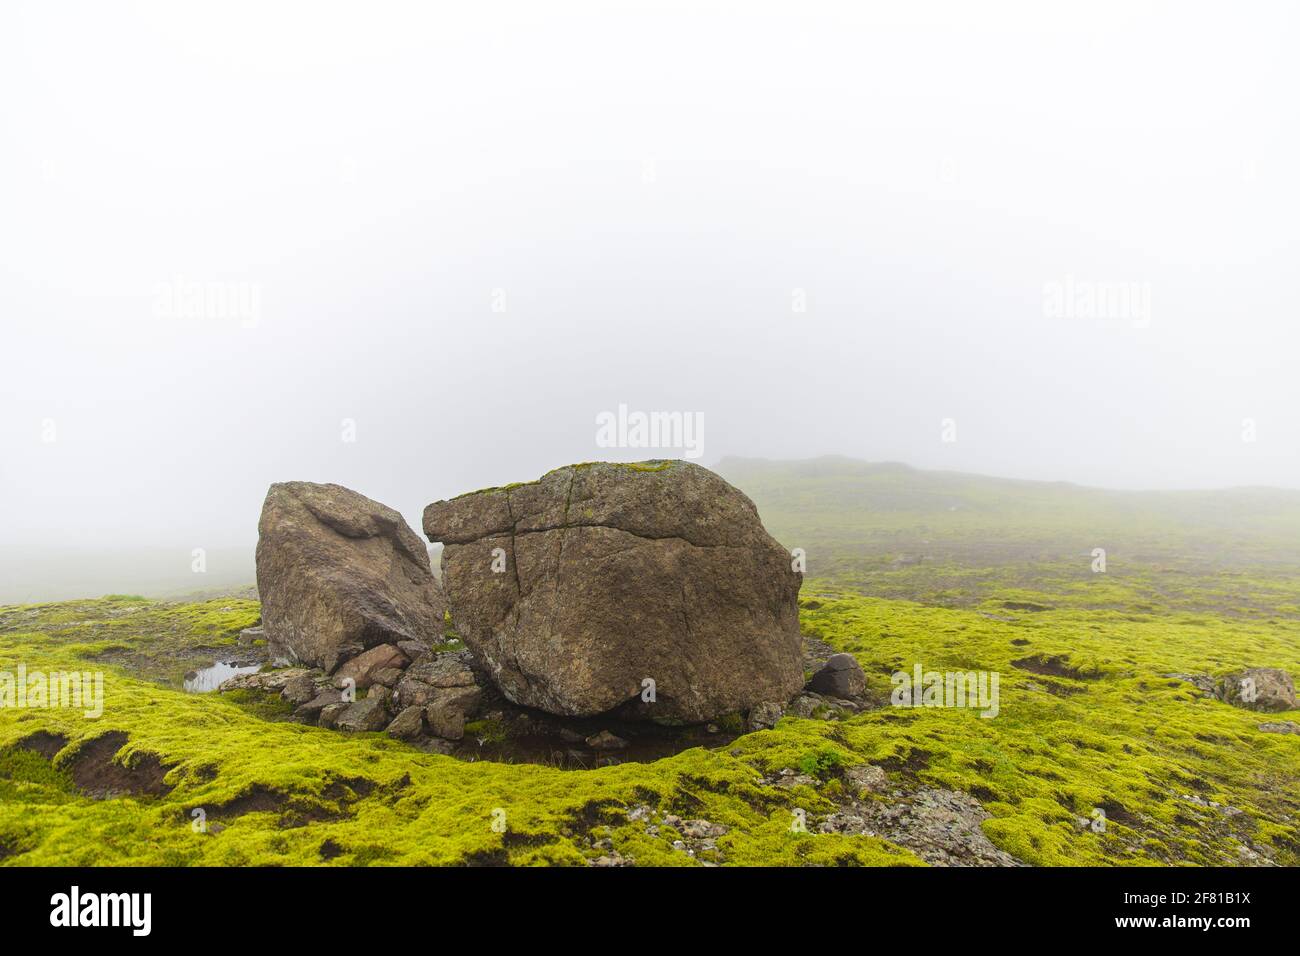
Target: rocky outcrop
pixel 1259 688
pixel 363 715
pixel 446 679
pixel 764 715
pixel 942 827
pixel 445 719
pixel 265 680
pixel 339 574
pixel 652 589
pixel 408 725
pixel 417 701
pixel 1281 727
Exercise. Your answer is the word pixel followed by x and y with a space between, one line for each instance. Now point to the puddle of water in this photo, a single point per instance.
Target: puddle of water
pixel 208 679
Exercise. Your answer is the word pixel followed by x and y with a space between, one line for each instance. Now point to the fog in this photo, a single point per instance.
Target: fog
pixel 420 249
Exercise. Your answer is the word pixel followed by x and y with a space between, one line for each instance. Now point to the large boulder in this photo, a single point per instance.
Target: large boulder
pixel 572 590
pixel 339 573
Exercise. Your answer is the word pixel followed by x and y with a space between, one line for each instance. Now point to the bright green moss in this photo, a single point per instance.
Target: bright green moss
pixel 821 762
pixel 1119 735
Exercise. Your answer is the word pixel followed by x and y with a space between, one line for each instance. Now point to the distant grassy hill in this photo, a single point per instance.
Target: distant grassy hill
pixel 957 539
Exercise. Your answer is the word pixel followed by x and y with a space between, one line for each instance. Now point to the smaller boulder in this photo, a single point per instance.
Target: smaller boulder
pixel 1202 682
pixel 445 721
pixel 338 573
pixel 840 676
pixel 1281 727
pixel 363 667
pixel 866 777
pixel 408 725
pixel 443 679
pixel 312 709
pixel 251 635
pixel 1259 688
pixel 805 705
pixel 765 715
pixel 413 649
pixel 387 676
pixel 330 713
pixel 299 690
pixel 362 715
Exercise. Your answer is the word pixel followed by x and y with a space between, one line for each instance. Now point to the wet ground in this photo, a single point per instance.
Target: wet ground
pixel 207 679
pixel 506 733
pixel 518 735
pixel 204 680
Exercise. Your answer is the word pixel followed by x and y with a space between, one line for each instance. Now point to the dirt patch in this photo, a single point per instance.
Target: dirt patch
pixel 295 810
pixel 510 734
pixel 347 789
pixel 1118 813
pixel 1054 666
pixel 44 743
pixel 8 845
pixel 301 813
pixel 97 774
pixel 510 839
pixel 914 762
pixel 255 799
pixel 596 813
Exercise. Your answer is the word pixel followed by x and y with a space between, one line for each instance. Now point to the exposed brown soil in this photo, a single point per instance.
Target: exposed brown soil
pixel 256 799
pixel 44 743
pixel 97 774
pixel 294 811
pixel 1054 666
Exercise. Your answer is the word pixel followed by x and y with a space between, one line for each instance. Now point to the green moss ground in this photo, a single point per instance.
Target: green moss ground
pixel 1126 739
pixel 1182 779
pixel 378 800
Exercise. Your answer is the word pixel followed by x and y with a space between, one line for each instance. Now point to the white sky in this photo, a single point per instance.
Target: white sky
pixel 648 184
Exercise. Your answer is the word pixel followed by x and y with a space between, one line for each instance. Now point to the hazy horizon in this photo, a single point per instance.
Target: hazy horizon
pixel 53 571
pixel 255 244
